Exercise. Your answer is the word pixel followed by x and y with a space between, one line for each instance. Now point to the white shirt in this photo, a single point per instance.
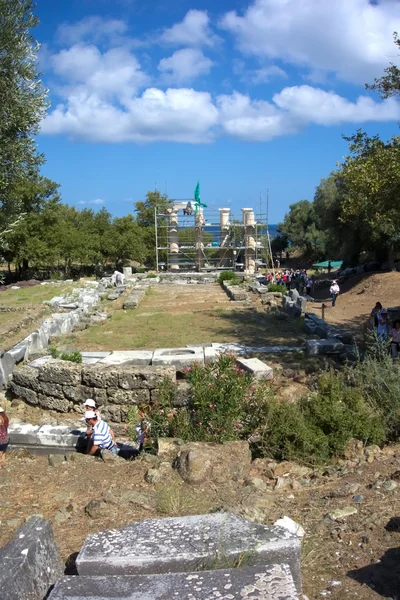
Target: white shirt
pixel 334 289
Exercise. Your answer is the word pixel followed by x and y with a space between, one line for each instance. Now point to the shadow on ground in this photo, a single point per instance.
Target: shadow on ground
pixel 260 329
pixel 382 577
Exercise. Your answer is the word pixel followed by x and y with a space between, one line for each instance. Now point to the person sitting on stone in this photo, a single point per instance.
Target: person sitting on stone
pixel 102 438
pixel 90 404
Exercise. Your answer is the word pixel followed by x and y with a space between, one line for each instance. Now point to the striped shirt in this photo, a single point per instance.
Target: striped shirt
pixel 102 436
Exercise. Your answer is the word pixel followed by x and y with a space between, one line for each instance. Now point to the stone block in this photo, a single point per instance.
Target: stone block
pixel 30 563
pixel 256 367
pixel 239 349
pixel 24 393
pixel 329 346
pixel 62 372
pixel 59 435
pixel 179 357
pixel 18 352
pixel 26 377
pixel 40 362
pixel 116 396
pixel 51 389
pixel 99 355
pixel 51 403
pixel 180 544
pixel 211 355
pixel 98 394
pixel 23 434
pixel 7 363
pixel 145 377
pixel 100 377
pixel 274 582
pixel 134 357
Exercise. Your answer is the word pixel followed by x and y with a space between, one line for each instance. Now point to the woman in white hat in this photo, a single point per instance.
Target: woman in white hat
pixel 4 422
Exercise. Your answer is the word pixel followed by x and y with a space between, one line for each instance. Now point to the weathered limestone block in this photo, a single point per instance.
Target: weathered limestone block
pixel 74 393
pixel 98 394
pixel 145 377
pixel 24 393
pixel 113 413
pixel 329 346
pixel 116 396
pixel 62 372
pixel 198 461
pixel 51 389
pixel 134 299
pixel 274 582
pixel 176 545
pixel 256 367
pixel 100 377
pixel 51 403
pixel 30 563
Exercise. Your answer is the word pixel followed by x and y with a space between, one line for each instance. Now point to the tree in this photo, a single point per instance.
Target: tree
pixel 299 227
pixel 127 241
pixel 23 101
pixel 371 178
pixel 389 84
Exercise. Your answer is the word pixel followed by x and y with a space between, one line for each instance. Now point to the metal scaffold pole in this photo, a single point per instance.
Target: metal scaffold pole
pixel 156 230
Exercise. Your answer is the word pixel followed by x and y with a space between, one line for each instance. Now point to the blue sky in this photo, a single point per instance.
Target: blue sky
pixel 244 97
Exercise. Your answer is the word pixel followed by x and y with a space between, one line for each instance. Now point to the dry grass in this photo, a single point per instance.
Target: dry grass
pixel 176 316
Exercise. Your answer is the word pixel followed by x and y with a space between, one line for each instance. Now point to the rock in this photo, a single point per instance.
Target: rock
pixel 354 449
pixel 256 367
pixel 168 447
pixel 96 509
pixel 395 476
pixel 20 453
pixel 198 461
pixel 372 452
pixel 161 474
pixel 30 562
pixel 79 458
pixel 55 460
pixel 342 513
pixel 283 468
pixel 347 490
pixel 389 485
pixel 257 484
pixel 108 457
pixel 61 515
pixel 358 498
pixel 290 525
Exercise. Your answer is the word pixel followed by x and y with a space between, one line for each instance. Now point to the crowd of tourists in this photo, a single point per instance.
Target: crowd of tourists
pixel 387 332
pixel 292 279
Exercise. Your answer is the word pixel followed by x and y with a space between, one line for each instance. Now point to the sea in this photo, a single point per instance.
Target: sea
pixel 215 230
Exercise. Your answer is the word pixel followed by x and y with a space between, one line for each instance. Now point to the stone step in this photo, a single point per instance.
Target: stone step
pixel 30 563
pixel 180 544
pixel 274 582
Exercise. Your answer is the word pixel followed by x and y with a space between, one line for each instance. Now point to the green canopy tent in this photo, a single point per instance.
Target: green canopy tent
pixel 335 264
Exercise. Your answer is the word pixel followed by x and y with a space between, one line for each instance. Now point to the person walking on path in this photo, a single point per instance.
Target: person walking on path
pixel 4 422
pixel 334 292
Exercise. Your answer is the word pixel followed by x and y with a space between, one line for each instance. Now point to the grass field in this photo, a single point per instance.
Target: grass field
pixel 174 316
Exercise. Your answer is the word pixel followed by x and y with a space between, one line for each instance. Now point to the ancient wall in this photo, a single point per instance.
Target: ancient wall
pixel 63 386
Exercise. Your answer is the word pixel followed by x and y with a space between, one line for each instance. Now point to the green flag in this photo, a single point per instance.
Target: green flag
pixel 197 197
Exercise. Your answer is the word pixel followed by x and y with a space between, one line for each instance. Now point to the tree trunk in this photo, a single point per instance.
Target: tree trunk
pixel 391 257
pixel 25 266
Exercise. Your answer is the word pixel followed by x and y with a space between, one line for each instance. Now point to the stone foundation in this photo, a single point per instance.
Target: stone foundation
pixel 62 386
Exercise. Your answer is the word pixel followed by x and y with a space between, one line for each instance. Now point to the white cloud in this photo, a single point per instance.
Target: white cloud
pixel 179 115
pixel 97 202
pixel 351 38
pixel 313 105
pixel 93 28
pixel 194 30
pixel 185 65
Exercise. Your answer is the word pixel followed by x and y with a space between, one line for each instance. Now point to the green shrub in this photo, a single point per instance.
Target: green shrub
pixel 277 287
pixel 229 276
pixel 151 275
pixel 74 356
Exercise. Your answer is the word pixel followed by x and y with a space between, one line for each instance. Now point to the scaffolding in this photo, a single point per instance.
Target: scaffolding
pixel 190 237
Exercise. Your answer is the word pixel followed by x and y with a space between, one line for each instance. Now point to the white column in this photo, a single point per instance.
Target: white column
pixel 173 241
pixel 249 241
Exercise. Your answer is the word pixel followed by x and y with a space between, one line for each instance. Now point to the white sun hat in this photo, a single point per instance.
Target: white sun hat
pixel 90 402
pixel 90 414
